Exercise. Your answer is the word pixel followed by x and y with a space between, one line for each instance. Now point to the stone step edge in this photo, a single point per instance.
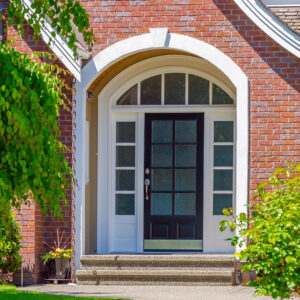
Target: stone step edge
pixel 159 258
pixel 155 282
pixel 157 273
pixel 157 266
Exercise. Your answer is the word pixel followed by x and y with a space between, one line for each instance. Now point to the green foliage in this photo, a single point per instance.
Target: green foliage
pixel 60 14
pixel 10 243
pixel 272 234
pixel 32 161
pixel 56 253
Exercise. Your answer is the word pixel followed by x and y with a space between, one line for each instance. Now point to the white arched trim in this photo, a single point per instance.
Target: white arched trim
pixel 145 42
pixel 267 22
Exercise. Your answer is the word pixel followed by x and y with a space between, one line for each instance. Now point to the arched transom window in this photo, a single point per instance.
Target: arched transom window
pixel 176 89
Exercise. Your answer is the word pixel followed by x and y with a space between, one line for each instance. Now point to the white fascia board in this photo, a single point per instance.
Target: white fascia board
pixel 267 22
pixel 58 45
pixel 281 3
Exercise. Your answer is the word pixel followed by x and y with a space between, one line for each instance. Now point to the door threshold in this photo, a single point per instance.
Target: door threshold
pixel 168 253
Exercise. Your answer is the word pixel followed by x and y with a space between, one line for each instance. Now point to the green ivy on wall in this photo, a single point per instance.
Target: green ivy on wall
pixel 32 161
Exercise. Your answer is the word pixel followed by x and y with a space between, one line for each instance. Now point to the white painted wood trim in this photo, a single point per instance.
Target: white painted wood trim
pixel 58 45
pixel 127 47
pixel 140 182
pixel 87 152
pixel 281 3
pixel 80 155
pixel 267 22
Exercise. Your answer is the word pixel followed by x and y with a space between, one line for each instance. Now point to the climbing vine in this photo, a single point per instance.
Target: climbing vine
pixel 32 160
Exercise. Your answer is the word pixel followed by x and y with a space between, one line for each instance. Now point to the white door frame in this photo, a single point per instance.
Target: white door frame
pixel 213 240
pixel 145 42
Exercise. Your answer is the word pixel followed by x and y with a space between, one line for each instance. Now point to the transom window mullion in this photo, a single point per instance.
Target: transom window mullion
pixel 139 93
pixel 186 88
pixel 210 93
pixel 163 89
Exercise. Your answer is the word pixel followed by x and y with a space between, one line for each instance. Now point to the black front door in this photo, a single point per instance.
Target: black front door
pixel 173 182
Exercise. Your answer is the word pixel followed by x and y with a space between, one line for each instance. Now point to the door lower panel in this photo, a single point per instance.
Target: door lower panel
pixel 173 245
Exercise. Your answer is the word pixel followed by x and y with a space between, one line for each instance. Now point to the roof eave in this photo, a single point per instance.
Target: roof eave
pixel 267 22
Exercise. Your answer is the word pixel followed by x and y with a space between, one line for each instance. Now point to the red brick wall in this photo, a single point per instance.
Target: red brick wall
pixel 32 231
pixel 274 73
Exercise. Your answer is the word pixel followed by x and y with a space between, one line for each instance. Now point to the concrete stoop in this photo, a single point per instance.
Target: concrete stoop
pixel 158 269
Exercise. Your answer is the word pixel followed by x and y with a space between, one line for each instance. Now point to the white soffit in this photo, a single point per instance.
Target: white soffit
pixel 266 21
pixel 281 3
pixel 58 45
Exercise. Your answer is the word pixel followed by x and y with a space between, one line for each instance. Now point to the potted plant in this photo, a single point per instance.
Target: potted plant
pixel 60 255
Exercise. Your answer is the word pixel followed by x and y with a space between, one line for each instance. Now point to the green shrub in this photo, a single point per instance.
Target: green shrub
pixel 10 243
pixel 271 234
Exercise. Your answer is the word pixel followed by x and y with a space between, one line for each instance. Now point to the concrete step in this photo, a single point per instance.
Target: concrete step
pixel 94 262
pixel 158 269
pixel 157 277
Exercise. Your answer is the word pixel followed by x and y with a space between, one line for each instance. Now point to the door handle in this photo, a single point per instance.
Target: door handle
pixel 147 184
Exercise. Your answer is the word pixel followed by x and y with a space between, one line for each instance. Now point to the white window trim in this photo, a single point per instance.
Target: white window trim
pixel 218 237
pixel 116 221
pixel 87 152
pixel 127 47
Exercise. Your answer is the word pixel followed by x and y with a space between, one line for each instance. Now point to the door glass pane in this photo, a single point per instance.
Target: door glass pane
pixel 151 91
pixel 185 155
pixel 125 156
pixel 162 131
pixel 222 180
pixel 185 204
pixel 125 132
pixel 185 131
pixel 223 131
pixel 162 155
pixel 198 90
pixel 124 204
pixel 162 180
pixel 221 201
pixel 161 204
pixel 129 97
pixel 223 156
pixel 175 88
pixel 185 179
pixel 220 96
pixel 125 180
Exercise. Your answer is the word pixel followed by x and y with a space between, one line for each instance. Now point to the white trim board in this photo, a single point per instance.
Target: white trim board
pixel 125 48
pixel 267 22
pixel 281 3
pixel 58 45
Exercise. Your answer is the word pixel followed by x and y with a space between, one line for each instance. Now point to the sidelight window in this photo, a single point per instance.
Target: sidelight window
pixel 223 166
pixel 125 168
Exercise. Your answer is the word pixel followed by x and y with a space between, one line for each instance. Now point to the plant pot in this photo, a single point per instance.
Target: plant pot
pixel 62 267
pixel 6 277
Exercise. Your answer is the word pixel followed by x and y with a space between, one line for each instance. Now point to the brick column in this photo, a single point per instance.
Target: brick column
pixel 32 231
